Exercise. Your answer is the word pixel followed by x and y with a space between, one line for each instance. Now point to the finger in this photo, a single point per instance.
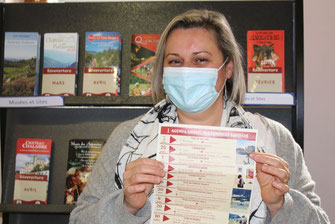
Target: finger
pixel 134 189
pixel 144 169
pixel 269 159
pixel 280 173
pixel 259 167
pixel 146 161
pixel 284 188
pixel 142 179
pixel 269 156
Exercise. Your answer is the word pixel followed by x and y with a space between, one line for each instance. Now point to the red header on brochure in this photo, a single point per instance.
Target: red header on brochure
pixel 59 71
pixel 34 146
pixel 32 177
pixel 208 133
pixel 95 37
pixel 99 70
pixel 148 41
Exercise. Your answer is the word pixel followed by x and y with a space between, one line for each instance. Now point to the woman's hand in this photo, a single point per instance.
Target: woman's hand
pixel 273 175
pixel 139 179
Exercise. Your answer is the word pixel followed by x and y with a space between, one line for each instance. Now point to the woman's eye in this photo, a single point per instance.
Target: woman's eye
pixel 173 62
pixel 201 60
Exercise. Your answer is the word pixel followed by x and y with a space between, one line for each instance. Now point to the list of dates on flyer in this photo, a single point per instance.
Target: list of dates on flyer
pixel 209 174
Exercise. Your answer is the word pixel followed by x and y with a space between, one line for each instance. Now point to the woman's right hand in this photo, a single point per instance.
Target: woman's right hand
pixel 138 180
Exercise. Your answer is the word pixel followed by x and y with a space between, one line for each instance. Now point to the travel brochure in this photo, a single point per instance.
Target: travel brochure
pixel 209 174
pixel 142 59
pixel 266 61
pixel 21 64
pixel 60 64
pixel 82 156
pixel 32 171
pixel 102 64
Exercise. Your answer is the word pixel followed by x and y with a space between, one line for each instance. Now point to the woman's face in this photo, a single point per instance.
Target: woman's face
pixel 195 47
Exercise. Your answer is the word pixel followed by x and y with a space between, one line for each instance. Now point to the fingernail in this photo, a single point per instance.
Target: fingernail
pixel 252 155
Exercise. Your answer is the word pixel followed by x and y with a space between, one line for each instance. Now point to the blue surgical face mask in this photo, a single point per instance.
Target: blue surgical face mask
pixel 192 90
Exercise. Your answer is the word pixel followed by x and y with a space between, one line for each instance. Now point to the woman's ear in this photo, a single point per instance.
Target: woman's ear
pixel 229 69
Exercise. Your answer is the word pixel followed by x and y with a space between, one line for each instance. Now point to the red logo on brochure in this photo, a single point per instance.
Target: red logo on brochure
pixel 148 41
pixel 167 200
pixel 93 37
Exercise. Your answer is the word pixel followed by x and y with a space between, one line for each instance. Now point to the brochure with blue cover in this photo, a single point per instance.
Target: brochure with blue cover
pixel 21 64
pixel 60 64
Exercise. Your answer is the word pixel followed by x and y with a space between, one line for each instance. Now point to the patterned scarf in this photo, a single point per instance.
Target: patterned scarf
pixel 142 142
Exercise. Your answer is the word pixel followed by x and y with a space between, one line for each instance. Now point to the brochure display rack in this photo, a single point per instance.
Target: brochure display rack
pixel 94 117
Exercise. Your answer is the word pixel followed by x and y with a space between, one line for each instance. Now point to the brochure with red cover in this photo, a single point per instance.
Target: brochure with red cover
pixel 142 58
pixel 266 60
pixel 32 170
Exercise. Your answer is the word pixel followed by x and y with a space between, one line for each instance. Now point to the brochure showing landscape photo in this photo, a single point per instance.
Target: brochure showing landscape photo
pixel 32 171
pixel 21 64
pixel 142 59
pixel 60 64
pixel 82 156
pixel 102 64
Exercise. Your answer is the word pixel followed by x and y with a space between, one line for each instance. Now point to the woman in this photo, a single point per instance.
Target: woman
pixel 197 79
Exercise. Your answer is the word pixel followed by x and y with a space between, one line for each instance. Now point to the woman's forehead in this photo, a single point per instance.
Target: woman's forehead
pixel 191 40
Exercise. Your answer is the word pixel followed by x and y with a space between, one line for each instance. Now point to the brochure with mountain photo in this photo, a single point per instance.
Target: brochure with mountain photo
pixel 102 64
pixel 32 171
pixel 142 58
pixel 82 156
pixel 60 64
pixel 21 64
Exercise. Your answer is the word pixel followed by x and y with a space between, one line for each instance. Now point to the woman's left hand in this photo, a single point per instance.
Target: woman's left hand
pixel 273 175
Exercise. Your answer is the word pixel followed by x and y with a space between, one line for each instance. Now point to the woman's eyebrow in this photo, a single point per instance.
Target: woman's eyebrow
pixel 172 54
pixel 199 52
pixel 194 53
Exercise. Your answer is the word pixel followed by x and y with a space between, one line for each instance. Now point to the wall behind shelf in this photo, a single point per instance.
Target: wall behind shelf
pixel 319 98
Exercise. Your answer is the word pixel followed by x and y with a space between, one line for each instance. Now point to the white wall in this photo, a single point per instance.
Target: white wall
pixel 319 75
